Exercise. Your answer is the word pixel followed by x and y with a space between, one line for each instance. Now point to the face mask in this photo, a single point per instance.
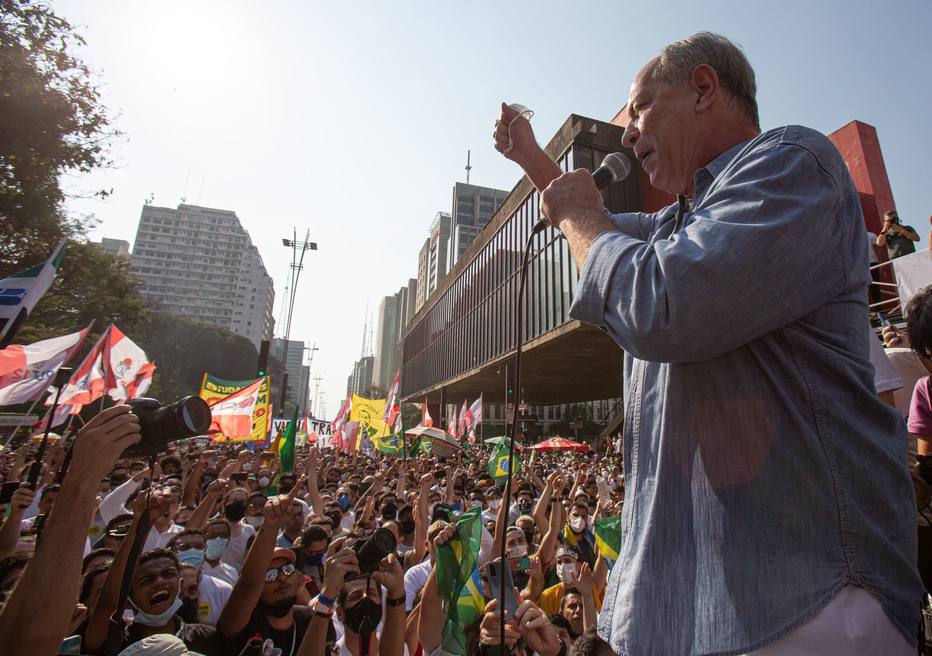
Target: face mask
pixel 343 500
pixel 264 481
pixel 247 466
pixel 565 571
pixel 364 616
pixel 255 522
pixel 494 503
pixel 235 510
pixel 389 511
pixel 524 506
pixel 192 557
pixel 475 504
pixel 577 524
pixel 215 548
pixel 406 526
pixel 147 619
pixel 518 551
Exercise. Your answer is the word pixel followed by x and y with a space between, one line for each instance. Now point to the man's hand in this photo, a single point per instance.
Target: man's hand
pixel 335 570
pixel 522 144
pixel 21 499
pixel 279 509
pixel 536 629
pixel 392 576
pixel 103 440
pixel 892 337
pixel 490 630
pixel 218 488
pixel 572 196
pixel 585 582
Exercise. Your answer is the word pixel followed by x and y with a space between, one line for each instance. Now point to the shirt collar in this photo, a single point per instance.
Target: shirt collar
pixel 704 177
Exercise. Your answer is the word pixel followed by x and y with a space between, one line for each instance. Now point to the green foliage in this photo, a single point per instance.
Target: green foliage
pixel 91 284
pixel 53 124
pixel 410 415
pixel 183 350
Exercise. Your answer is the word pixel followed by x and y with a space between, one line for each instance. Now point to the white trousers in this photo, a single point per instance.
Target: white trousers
pixel 853 624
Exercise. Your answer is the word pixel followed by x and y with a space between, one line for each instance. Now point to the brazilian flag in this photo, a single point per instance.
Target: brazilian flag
pixel 391 445
pixel 498 463
pixel 458 582
pixel 608 538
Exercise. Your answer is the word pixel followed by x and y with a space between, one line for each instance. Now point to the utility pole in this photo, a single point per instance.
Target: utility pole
pixel 468 166
pixel 297 264
pixel 317 380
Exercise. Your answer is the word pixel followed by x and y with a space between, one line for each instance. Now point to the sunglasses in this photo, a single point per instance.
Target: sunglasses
pixel 273 573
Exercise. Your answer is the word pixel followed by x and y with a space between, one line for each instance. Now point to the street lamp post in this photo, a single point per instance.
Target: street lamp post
pixel 297 264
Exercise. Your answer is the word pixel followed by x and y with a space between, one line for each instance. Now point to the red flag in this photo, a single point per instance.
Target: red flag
pixel 340 419
pixel 231 416
pixel 452 425
pixel 425 416
pixel 392 407
pixel 475 417
pixel 89 381
pixel 465 421
pixel 129 371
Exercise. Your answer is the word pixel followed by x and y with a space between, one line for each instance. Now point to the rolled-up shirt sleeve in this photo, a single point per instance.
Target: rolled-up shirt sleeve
pixel 757 254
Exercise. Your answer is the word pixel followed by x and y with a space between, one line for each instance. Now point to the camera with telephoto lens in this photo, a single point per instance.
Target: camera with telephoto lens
pixel 371 550
pixel 160 425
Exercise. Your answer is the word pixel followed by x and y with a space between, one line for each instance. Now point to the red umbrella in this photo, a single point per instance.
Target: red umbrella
pixel 559 444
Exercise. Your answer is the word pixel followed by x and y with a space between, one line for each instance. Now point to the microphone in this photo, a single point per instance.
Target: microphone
pixel 615 168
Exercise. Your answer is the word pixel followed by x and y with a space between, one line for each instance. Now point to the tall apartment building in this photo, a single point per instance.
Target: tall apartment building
pixel 473 206
pixel 299 374
pixel 200 263
pixel 394 313
pixel 432 260
pixel 361 377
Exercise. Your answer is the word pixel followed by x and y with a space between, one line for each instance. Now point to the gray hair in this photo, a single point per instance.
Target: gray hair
pixel 676 62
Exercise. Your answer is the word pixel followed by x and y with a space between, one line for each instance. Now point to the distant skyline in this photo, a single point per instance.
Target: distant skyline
pixel 353 120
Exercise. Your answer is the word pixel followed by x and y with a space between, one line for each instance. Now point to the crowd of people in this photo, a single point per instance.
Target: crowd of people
pixel 239 557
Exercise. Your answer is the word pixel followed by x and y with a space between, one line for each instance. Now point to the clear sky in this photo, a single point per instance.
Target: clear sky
pixel 353 119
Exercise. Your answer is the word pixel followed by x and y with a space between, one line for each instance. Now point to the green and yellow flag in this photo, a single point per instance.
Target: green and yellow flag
pixel 458 582
pixel 370 412
pixel 286 446
pixel 498 463
pixel 391 445
pixel 608 538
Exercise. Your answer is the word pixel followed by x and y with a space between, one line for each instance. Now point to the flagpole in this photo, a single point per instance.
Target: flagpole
pixel 23 420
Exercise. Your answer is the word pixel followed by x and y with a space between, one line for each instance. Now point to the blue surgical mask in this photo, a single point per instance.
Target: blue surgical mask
pixel 147 619
pixel 192 557
pixel 343 500
pixel 215 548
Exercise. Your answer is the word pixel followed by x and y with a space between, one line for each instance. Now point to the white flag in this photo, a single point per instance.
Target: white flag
pixel 129 372
pixel 20 292
pixel 26 371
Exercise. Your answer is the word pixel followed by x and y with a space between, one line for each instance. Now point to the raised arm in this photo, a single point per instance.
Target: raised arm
pixel 56 564
pixel 549 543
pixel 213 492
pixel 313 488
pixel 9 534
pixel 248 588
pixel 392 577
pixel 342 563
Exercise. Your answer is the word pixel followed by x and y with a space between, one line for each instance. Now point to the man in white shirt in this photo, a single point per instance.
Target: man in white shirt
pixel 216 539
pixel 212 594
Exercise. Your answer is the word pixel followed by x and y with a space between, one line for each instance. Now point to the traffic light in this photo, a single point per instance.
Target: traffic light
pixel 263 359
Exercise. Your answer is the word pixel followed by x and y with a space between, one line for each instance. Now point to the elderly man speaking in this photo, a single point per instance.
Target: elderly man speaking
pixel 768 505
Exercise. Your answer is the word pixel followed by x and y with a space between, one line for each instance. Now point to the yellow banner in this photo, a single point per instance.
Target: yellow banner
pixel 372 413
pixel 214 389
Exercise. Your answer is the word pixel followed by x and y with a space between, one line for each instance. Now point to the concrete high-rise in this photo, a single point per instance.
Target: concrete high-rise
pixel 394 313
pixel 200 263
pixel 473 206
pixel 113 246
pixel 432 263
pixel 361 377
pixel 299 374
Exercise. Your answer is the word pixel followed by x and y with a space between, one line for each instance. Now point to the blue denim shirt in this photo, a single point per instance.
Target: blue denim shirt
pixel 763 474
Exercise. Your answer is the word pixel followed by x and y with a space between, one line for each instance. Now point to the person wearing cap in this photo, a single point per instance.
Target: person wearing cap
pixel 493 499
pixel 569 571
pixel 264 598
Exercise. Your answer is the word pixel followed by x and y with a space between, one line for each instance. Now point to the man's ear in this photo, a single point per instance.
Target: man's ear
pixel 704 81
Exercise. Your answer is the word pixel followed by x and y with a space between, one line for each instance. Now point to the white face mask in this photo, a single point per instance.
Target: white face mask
pixel 565 571
pixel 255 522
pixel 264 481
pixel 475 504
pixel 147 619
pixel 518 551
pixel 494 503
pixel 247 466
pixel 577 524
